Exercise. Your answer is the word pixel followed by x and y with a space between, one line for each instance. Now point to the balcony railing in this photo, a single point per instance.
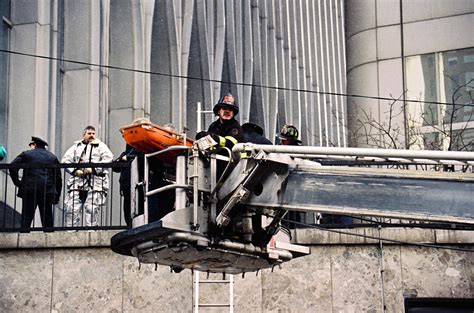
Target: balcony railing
pixel 110 215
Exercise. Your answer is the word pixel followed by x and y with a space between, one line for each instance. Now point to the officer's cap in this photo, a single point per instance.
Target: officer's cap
pixel 38 141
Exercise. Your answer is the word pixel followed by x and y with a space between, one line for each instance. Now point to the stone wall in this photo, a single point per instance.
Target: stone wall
pixel 77 272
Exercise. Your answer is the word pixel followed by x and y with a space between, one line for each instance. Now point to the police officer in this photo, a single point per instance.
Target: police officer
pixel 254 134
pixel 38 186
pixel 289 136
pixel 226 130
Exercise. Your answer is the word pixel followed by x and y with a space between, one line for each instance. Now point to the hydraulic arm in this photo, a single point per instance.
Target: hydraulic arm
pixel 228 207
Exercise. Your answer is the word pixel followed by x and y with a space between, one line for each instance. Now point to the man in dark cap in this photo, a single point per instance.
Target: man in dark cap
pixel 39 185
pixel 254 134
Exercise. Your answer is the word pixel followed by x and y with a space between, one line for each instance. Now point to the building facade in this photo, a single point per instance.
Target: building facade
pixel 74 63
pixel 417 59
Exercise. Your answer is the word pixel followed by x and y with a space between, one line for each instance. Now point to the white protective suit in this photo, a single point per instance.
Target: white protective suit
pixel 87 194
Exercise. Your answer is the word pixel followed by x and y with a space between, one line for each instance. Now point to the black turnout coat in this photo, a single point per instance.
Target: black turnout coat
pixel 227 128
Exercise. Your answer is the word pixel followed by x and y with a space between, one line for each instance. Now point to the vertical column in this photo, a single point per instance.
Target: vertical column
pixel 272 72
pixel 218 47
pixel 339 11
pixel 295 97
pixel 258 97
pixel 264 50
pixel 282 74
pixel 248 58
pixel 29 92
pixel 301 60
pixel 205 55
pixel 315 60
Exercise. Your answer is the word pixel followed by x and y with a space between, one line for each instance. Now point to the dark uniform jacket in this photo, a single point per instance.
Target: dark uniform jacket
pixel 44 180
pixel 230 128
pixel 125 172
pixel 253 137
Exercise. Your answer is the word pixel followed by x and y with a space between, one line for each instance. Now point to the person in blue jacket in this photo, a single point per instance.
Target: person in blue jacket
pixel 3 152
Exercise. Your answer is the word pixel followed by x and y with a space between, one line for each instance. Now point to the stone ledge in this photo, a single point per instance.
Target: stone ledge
pixel 412 235
pixel 81 239
pixel 59 239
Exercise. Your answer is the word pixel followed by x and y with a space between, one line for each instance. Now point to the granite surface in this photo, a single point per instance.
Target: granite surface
pixel 77 272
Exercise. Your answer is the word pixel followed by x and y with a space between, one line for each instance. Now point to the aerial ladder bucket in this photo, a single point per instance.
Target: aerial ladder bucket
pixel 228 208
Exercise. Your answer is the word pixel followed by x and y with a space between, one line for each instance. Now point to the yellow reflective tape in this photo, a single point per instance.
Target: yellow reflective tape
pixel 243 155
pixel 232 139
pixel 221 141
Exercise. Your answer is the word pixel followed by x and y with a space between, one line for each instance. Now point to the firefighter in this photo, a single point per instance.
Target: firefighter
pixel 289 136
pixel 254 134
pixel 226 130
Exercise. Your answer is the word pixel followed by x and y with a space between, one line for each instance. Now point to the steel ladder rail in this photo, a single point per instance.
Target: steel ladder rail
pixel 196 289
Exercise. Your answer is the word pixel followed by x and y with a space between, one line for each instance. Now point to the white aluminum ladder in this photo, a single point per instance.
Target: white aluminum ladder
pixel 196 289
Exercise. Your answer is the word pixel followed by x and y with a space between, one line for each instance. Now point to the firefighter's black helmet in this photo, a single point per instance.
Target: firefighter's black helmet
pixel 251 127
pixel 226 101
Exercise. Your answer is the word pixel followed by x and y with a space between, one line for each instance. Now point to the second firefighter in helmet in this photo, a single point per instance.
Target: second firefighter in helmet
pixel 226 130
pixel 289 136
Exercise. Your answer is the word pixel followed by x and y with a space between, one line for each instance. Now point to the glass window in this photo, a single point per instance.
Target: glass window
pixel 421 85
pixel 458 77
pixel 463 140
pixel 446 77
pixel 431 141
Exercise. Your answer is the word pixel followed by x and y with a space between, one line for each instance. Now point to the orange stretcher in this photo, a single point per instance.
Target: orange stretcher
pixel 148 137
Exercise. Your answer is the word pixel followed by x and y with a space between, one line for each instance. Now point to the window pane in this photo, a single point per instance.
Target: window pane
pixel 421 85
pixel 463 140
pixel 458 77
pixel 431 141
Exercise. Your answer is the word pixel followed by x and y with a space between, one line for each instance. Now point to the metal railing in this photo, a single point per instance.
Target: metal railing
pixel 107 213
pixel 419 160
pixel 111 215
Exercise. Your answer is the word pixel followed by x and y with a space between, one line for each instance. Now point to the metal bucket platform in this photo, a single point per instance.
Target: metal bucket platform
pixel 155 244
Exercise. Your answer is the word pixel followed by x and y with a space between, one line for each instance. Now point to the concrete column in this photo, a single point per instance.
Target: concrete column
pixel 30 77
pixel 81 82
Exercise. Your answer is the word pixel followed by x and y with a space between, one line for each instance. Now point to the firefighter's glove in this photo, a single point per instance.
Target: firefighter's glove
pixel 79 173
pixel 206 143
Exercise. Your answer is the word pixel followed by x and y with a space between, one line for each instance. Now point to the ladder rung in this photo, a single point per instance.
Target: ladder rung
pixel 213 281
pixel 214 305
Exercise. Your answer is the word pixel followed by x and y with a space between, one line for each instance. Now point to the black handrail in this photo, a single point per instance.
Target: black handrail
pixel 11 205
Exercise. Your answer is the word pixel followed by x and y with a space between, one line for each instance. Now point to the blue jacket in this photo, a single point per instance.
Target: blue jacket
pixel 3 152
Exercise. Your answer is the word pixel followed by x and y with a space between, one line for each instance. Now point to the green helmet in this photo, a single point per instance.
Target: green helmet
pixel 289 132
pixel 226 101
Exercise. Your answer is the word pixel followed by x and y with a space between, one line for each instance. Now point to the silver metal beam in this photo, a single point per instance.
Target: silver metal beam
pixel 464 157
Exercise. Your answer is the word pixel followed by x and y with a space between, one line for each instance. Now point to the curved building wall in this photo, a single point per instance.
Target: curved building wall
pixel 381 36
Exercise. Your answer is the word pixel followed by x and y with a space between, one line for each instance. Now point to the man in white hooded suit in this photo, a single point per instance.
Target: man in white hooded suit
pixel 87 187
